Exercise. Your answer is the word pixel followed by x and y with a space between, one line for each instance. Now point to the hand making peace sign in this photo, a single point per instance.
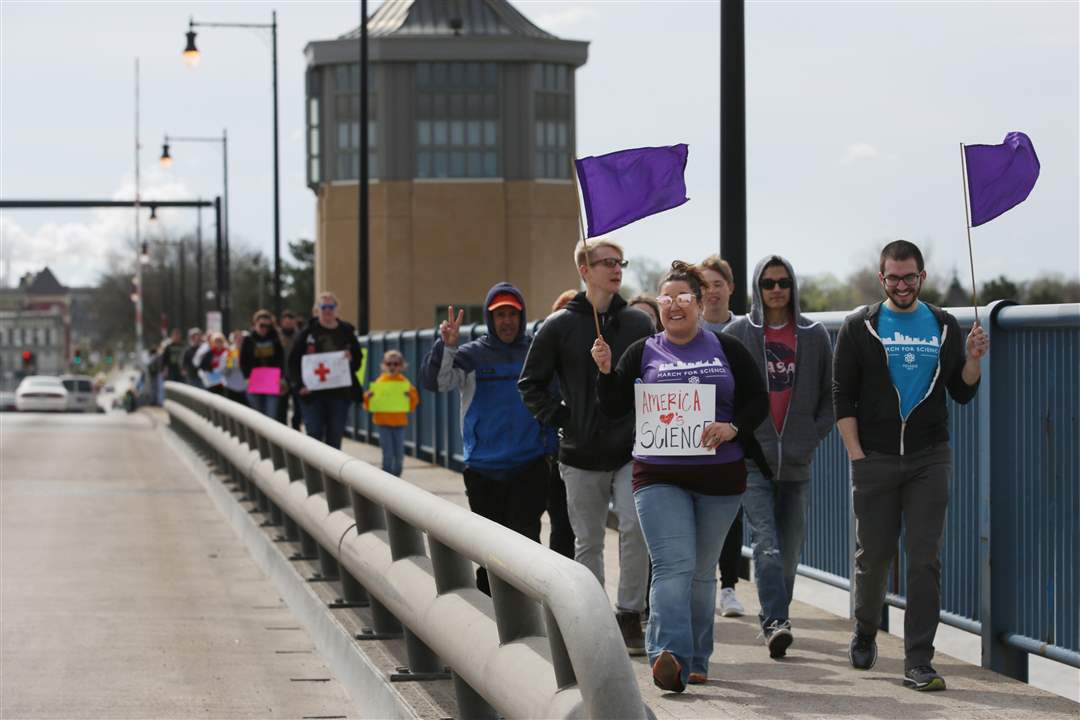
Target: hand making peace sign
pixel 450 328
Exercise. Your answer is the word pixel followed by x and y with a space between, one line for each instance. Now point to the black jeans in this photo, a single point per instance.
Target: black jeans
pixel 516 502
pixel 731 554
pixel 887 490
pixel 562 534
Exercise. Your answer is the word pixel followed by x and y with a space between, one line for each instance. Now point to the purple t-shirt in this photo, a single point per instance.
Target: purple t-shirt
pixel 702 360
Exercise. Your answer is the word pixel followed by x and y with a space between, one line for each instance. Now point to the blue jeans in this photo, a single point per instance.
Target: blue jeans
pixel 325 413
pixel 776 512
pixel 684 532
pixel 266 404
pixel 392 442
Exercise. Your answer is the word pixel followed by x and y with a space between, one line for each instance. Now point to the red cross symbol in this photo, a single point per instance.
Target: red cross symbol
pixel 322 371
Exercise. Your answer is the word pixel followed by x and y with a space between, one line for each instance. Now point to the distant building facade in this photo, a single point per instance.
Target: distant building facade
pixel 471 140
pixel 47 319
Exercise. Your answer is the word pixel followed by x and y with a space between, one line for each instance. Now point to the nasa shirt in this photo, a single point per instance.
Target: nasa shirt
pixel 780 370
pixel 912 342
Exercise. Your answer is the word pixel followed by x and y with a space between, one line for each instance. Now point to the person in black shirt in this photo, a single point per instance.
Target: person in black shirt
pixel 262 349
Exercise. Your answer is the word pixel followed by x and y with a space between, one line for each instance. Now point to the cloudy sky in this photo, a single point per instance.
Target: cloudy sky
pixel 856 113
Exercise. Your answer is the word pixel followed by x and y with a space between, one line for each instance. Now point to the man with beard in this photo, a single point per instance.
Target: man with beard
pixel 894 362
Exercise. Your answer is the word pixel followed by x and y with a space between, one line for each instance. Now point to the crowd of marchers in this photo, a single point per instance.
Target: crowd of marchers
pixel 548 425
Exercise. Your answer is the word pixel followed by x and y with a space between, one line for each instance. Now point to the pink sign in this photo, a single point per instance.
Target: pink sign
pixel 265 381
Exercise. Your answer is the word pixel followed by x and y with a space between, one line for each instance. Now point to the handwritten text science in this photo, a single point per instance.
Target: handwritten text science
pixel 670 418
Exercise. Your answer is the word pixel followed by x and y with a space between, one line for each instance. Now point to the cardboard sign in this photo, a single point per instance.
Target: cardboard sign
pixel 213 321
pixel 323 371
pixel 265 381
pixel 389 397
pixel 669 418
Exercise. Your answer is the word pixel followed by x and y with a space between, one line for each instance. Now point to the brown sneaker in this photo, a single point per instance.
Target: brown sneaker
pixel 698 679
pixel 667 673
pixel 630 625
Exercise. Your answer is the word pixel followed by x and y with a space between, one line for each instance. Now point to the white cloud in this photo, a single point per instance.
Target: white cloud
pixel 555 20
pixel 859 151
pixel 79 251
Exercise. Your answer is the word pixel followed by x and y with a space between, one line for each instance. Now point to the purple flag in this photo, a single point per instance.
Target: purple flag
pixel 1000 176
pixel 627 185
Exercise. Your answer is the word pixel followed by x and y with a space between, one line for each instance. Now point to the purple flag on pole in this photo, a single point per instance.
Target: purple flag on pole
pixel 627 185
pixel 1000 176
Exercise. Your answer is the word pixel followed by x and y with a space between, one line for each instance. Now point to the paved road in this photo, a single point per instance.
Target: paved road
pixel 124 592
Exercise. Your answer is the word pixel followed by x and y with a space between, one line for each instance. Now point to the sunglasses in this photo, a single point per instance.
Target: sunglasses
pixel 393 363
pixel 610 263
pixel 328 306
pixel 769 283
pixel 682 300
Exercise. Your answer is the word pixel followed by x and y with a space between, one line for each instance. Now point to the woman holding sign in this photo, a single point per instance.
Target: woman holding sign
pixel 697 397
pixel 261 360
pixel 322 363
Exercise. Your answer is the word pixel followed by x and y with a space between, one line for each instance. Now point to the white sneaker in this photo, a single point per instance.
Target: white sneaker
pixel 729 604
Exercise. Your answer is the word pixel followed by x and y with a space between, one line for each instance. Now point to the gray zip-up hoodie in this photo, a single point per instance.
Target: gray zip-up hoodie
pixel 810 413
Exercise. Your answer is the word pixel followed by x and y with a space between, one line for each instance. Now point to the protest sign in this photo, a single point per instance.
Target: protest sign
pixel 389 397
pixel 669 418
pixel 265 381
pixel 323 371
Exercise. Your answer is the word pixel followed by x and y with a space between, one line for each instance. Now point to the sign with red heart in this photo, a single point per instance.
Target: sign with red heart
pixel 669 418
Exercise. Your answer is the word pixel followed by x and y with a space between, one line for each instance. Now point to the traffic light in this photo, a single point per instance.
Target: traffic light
pixel 78 357
pixel 28 359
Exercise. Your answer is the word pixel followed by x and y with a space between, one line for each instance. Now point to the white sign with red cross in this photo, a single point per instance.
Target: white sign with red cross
pixel 323 371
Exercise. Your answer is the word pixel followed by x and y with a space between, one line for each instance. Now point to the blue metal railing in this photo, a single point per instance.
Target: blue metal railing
pixel 1017 443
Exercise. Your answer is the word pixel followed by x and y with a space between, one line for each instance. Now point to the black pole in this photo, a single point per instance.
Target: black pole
pixel 363 319
pixel 277 193
pixel 183 287
pixel 199 316
pixel 218 261
pixel 226 231
pixel 733 146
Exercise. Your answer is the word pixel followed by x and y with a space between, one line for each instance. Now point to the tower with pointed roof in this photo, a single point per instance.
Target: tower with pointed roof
pixel 471 141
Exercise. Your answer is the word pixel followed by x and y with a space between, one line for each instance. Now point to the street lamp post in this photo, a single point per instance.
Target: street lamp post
pixel 191 57
pixel 224 294
pixel 363 317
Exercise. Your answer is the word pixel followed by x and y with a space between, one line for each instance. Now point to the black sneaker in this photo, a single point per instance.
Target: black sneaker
pixel 630 625
pixel 923 678
pixel 778 637
pixel 862 652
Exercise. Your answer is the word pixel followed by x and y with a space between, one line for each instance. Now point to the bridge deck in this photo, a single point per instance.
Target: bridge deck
pixel 815 679
pixel 126 595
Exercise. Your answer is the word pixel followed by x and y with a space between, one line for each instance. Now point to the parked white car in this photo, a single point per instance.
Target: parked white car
pixel 81 396
pixel 38 393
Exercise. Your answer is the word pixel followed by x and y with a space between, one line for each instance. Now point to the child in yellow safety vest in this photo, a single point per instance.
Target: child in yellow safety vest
pixel 390 399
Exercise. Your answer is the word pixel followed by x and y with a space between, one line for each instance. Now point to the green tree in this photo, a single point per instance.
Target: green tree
pixel 1050 289
pixel 1000 288
pixel 299 277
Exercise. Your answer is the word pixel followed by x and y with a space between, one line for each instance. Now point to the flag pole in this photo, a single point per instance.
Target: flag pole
pixel 967 218
pixel 581 229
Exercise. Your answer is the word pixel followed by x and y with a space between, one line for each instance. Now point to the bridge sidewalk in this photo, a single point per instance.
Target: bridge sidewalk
pixel 815 680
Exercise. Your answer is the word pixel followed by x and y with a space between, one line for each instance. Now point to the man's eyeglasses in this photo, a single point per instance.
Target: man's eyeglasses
pixel 610 263
pixel 682 300
pixel 769 283
pixel 328 306
pixel 910 279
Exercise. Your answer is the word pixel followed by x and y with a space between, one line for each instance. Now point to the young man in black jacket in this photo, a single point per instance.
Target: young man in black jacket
pixel 893 364
pixel 594 450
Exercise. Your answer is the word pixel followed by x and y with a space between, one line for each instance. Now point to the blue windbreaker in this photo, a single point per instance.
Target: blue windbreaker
pixel 498 432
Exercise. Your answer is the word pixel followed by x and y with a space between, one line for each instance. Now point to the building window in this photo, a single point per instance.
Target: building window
pixel 551 84
pixel 346 137
pixel 313 121
pixel 457 120
pixel 3 336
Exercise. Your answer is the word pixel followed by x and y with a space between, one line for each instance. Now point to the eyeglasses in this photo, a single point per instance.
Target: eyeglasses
pixel 264 326
pixel 682 300
pixel 393 363
pixel 328 306
pixel 610 263
pixel 910 279
pixel 769 283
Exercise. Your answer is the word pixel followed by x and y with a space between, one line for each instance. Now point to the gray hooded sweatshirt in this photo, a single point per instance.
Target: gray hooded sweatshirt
pixel 810 413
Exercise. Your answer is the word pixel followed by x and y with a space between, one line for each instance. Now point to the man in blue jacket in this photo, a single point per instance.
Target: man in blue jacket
pixel 506 449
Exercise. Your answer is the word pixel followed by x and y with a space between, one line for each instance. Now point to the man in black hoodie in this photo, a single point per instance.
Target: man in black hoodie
pixel 594 450
pixel 893 364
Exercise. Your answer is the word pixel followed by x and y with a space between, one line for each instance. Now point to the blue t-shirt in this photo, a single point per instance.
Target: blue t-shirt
pixel 912 342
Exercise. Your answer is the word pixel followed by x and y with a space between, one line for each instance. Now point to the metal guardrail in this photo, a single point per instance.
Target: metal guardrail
pixel 544 645
pixel 1017 442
